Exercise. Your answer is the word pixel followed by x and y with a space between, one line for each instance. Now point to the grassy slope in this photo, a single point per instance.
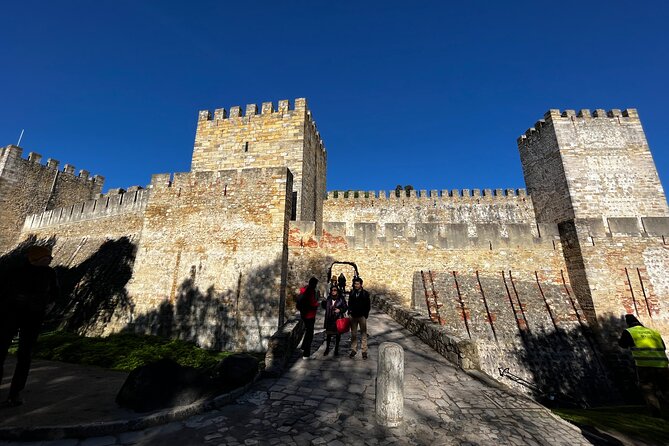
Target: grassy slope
pixel 632 421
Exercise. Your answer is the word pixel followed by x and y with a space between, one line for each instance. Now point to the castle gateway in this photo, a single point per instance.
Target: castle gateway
pixel 215 254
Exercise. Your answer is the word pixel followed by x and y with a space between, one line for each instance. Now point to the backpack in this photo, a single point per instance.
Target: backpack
pixel 301 301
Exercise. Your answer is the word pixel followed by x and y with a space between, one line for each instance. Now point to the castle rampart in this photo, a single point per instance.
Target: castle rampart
pixel 464 194
pixel 27 187
pixel 465 206
pixel 115 202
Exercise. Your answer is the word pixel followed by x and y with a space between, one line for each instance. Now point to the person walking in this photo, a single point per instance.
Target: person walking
pixel 333 281
pixel 359 305
pixel 341 282
pixel 652 365
pixel 28 291
pixel 335 308
pixel 307 304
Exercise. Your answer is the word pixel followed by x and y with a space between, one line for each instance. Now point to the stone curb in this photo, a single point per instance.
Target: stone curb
pixel 116 427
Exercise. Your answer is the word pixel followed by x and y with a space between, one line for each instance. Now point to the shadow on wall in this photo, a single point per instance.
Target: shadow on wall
pixel 554 357
pixel 570 367
pixel 243 317
pixel 92 292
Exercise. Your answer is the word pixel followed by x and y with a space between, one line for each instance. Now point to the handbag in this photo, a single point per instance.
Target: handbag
pixel 343 325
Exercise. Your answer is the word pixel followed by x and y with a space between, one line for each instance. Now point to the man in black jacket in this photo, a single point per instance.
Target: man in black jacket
pixel 29 290
pixel 358 307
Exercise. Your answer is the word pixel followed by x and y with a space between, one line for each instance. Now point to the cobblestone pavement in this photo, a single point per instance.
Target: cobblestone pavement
pixel 330 401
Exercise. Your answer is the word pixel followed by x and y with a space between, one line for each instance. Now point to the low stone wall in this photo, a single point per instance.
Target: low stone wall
pixel 281 346
pixel 560 365
pixel 463 353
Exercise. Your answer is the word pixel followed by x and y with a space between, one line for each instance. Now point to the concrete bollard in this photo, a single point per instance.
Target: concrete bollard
pixel 390 385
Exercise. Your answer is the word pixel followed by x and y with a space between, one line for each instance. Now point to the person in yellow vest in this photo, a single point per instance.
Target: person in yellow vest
pixel 652 365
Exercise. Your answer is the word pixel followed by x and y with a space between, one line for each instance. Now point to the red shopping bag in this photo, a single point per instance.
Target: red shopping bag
pixel 343 325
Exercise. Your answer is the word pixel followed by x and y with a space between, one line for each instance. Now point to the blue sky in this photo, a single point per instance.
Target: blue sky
pixel 432 94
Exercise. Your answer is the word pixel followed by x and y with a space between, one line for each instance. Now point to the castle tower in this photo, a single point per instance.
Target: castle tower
pixel 593 174
pixel 590 166
pixel 27 186
pixel 267 137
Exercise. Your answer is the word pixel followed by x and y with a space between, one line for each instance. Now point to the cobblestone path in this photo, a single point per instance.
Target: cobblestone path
pixel 330 401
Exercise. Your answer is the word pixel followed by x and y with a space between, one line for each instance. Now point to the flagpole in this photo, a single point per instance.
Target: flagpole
pixel 20 137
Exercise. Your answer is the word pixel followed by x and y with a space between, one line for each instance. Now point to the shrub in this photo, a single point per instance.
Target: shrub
pixel 123 351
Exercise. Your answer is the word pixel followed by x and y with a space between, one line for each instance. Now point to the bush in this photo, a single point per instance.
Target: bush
pixel 123 351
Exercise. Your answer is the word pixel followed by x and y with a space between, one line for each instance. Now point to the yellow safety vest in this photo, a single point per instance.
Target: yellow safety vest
pixel 648 350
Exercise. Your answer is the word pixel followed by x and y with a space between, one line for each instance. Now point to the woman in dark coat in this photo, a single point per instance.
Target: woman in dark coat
pixel 335 308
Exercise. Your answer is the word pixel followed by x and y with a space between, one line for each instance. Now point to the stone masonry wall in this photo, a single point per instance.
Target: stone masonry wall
pixel 523 323
pixel 116 202
pixel 27 187
pixel 211 262
pixel 272 138
pixel 314 172
pixel 94 258
pixel 387 263
pixel 445 207
pixel 591 166
pixel 77 240
pixel 626 262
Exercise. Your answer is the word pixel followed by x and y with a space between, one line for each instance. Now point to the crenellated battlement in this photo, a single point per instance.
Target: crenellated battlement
pixel 267 108
pixel 35 159
pixel 237 115
pixel 450 195
pixel 314 129
pixel 485 236
pixel 614 116
pixel 114 202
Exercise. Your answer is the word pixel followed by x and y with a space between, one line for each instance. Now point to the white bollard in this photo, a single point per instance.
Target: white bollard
pixel 390 385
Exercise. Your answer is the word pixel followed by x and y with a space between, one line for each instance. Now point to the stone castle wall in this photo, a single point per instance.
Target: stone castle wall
pixel 443 207
pixel 27 187
pixel 625 261
pixel 212 255
pixel 117 202
pixel 388 262
pixel 206 262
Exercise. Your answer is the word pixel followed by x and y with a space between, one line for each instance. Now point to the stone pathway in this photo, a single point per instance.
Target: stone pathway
pixel 330 401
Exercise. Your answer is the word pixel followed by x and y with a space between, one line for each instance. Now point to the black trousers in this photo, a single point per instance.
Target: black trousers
pixel 308 336
pixel 654 384
pixel 328 340
pixel 27 325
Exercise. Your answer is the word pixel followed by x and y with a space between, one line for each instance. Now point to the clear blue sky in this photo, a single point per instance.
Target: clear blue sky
pixel 421 93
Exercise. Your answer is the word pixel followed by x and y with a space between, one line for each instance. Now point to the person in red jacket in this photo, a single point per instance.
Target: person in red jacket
pixel 308 302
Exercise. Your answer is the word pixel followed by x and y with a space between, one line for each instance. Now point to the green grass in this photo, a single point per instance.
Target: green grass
pixel 632 421
pixel 122 351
